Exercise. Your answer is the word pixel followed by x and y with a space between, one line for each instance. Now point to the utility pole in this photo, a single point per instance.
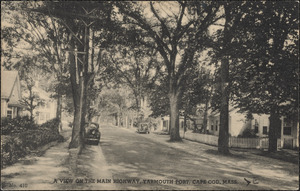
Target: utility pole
pixel 82 78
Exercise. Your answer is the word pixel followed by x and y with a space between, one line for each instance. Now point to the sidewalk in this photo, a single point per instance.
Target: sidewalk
pixel 264 168
pixel 57 170
pixel 36 172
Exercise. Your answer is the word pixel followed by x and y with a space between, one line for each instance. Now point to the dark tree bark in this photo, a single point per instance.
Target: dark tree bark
pixel 174 116
pixel 274 129
pixel 225 92
pixel 59 111
pixel 223 133
pixel 185 121
pixel 205 116
pixel 76 140
pixel 31 103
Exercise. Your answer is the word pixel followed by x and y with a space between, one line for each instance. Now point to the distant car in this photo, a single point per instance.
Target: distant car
pixel 92 133
pixel 143 128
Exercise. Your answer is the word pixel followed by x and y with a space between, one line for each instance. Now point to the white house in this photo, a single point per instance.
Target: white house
pixel 10 94
pixel 46 106
pixel 165 123
pixel 237 123
pixel 289 132
pixel 47 109
pixel 259 124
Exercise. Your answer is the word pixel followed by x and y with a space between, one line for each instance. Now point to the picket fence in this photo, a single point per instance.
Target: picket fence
pixel 236 142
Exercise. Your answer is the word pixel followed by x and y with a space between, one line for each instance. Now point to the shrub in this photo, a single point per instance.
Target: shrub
pixel 18 124
pixel 19 144
pixel 20 136
pixel 248 133
pixel 12 149
pixel 51 124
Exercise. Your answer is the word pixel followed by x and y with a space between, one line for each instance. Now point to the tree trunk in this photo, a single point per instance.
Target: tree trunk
pixel 274 129
pixel 31 103
pixel 76 140
pixel 205 116
pixel 223 133
pixel 77 85
pixel 174 117
pixel 119 120
pixel 59 111
pixel 184 121
pixel 83 103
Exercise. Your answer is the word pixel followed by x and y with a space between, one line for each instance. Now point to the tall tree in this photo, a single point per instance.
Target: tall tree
pixel 176 34
pixel 81 21
pixel 195 92
pixel 267 79
pixel 30 98
pixel 134 67
pixel 224 47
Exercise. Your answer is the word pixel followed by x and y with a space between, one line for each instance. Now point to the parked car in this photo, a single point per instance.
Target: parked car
pixel 143 128
pixel 92 133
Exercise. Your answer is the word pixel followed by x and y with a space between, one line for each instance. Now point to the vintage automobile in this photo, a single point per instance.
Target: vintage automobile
pixel 92 133
pixel 143 127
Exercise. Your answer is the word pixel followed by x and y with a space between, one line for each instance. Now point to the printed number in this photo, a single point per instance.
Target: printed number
pixel 24 185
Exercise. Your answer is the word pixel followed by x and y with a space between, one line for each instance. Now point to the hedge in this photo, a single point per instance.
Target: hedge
pixel 22 140
pixel 16 125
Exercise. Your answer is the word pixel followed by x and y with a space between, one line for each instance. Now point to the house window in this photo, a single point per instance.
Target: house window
pixel 165 123
pixel 9 113
pixel 287 130
pixel 182 124
pixel 212 127
pixel 217 125
pixel 265 130
pixel 287 122
pixel 256 129
pixel 256 126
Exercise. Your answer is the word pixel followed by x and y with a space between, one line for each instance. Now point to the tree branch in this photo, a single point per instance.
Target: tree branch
pixel 163 25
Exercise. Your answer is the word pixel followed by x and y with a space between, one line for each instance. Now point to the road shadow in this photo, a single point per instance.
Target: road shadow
pixel 283 155
pixel 160 133
pixel 231 155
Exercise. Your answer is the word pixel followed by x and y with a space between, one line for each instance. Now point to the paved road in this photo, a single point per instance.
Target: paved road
pixel 125 160
pixel 149 164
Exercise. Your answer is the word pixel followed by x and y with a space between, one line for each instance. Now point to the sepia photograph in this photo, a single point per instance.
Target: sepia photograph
pixel 150 95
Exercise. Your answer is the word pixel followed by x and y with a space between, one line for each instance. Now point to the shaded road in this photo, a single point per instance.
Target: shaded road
pixel 126 160
pixel 149 164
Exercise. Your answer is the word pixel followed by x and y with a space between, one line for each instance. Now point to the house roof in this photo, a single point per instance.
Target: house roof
pixel 40 92
pixel 8 81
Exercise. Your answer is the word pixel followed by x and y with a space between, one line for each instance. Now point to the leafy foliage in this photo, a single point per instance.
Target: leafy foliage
pixel 15 125
pixel 248 133
pixel 20 136
pixel 51 124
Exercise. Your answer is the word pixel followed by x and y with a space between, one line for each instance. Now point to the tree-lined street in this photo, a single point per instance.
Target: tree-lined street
pixel 224 73
pixel 141 161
